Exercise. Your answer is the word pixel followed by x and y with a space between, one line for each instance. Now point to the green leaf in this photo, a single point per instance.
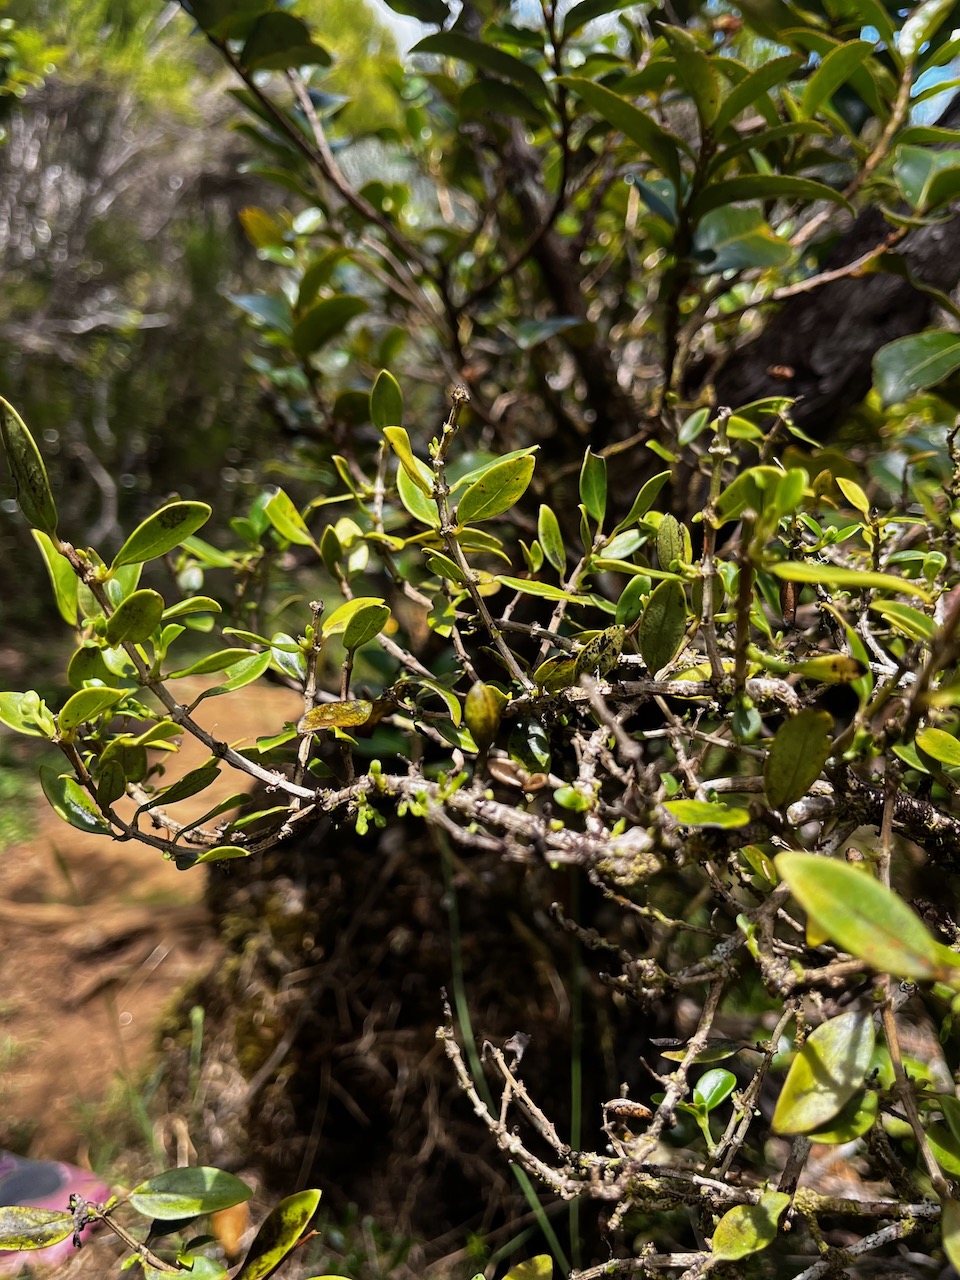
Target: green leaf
pixel 422 509
pixel 630 604
pixel 703 813
pixel 637 125
pixel 538 1268
pixel 944 747
pixel 593 485
pixel 769 76
pixel 761 186
pixel 224 853
pixel 325 321
pixel 269 311
pixel 337 622
pixel 34 496
pixel 287 520
pixel 748 1228
pixel 696 72
pixel 926 178
pixel 240 674
pixel 192 604
pixel 714 1087
pixel 911 622
pixel 577 17
pixel 950 1231
pixel 908 365
pixel 279 1233
pixel 551 539
pixel 25 1228
pixel 530 587
pixel 415 470
pixel 663 626
pixel 71 803
pixel 86 705
pixel 135 619
pixel 496 491
pixel 673 542
pixel 735 238
pixel 188 1192
pixel 834 70
pixel 796 757
pixel 451 44
pixel 191 784
pixel 26 713
pixel 161 532
pixel 386 401
pixel 62 577
pixel 922 24
pixel 831 575
pixel 482 711
pixel 213 662
pixel 364 625
pixel 278 41
pixel 851 1121
pixel 826 1072
pixel 862 916
pixel 643 501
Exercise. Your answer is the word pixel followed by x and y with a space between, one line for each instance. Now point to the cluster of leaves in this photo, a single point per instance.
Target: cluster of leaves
pixel 698 700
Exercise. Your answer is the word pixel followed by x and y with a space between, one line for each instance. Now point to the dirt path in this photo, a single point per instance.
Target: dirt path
pixel 97 939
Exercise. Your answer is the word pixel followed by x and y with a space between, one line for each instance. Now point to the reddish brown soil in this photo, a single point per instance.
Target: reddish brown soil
pixel 98 937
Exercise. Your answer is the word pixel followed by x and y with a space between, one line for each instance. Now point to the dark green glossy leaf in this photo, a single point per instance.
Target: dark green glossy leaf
pixel 796 757
pixel 908 365
pixel 71 803
pixel 278 41
pixel 743 95
pixel 161 532
pixel 833 72
pixel 432 11
pixel 190 784
pixel 240 674
pixel 34 496
pixel 188 1192
pixel 450 44
pixel 326 321
pixel 25 1228
pixel 637 125
pixel 761 186
pixel 826 1072
pixel 663 626
pixel 279 1234
pixel 593 485
pixel 748 1228
pixel 863 916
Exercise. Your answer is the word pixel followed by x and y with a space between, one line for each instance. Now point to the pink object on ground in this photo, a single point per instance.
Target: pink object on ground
pixel 43 1184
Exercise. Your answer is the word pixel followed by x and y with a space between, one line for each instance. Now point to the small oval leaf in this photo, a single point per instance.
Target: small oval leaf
pixel 748 1228
pixel 185 1193
pixel 826 1073
pixel 365 625
pixel 386 401
pixel 496 491
pixel 25 1228
pixel 135 618
pixel 482 712
pixel 336 715
pixel 71 803
pixel 87 704
pixel 161 532
pixel 797 755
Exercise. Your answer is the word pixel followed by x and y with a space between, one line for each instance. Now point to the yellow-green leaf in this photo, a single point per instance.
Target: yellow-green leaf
pixel 944 747
pixel 135 618
pixel 830 575
pixel 161 532
pixel 281 1230
pixel 482 712
pixel 25 1228
pixel 826 1073
pixel 863 916
pixel 950 1231
pixel 538 1268
pixel 399 442
pixel 62 577
pixel 854 495
pixel 748 1228
pixel 87 704
pixel 705 813
pixel 496 491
